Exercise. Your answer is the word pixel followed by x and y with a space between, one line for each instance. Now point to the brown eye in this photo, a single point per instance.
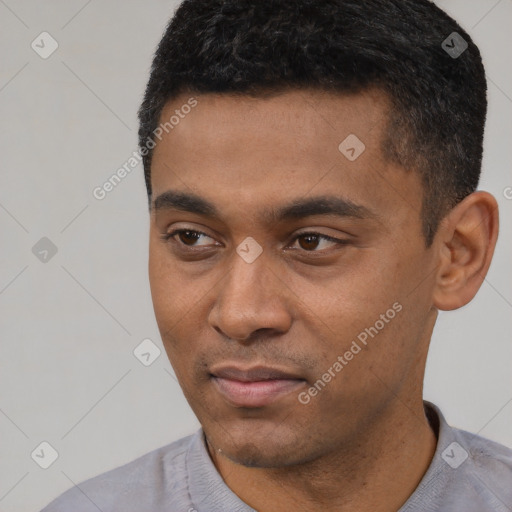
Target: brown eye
pixel 310 241
pixel 188 237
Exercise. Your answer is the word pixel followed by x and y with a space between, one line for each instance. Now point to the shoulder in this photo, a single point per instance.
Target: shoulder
pixel 467 473
pixel 488 468
pixel 142 484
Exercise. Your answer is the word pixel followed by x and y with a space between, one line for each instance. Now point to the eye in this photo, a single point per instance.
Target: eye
pixel 186 237
pixel 311 241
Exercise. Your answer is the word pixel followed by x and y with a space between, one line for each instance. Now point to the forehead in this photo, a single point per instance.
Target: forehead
pixel 312 122
pixel 245 152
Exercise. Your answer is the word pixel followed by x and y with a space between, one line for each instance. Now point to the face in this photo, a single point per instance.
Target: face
pixel 289 275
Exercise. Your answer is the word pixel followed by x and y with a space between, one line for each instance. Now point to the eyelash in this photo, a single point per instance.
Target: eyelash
pixel 168 236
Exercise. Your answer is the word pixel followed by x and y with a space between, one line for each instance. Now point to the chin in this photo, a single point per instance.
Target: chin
pixel 263 449
pixel 253 456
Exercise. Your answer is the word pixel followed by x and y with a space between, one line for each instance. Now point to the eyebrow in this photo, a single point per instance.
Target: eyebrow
pixel 327 205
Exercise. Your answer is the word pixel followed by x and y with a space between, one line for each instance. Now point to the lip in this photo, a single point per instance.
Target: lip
pixel 256 386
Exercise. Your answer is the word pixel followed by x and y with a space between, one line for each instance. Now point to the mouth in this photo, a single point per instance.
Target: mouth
pixel 254 387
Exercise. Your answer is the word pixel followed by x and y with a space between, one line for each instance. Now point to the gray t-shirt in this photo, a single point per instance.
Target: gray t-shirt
pixel 468 473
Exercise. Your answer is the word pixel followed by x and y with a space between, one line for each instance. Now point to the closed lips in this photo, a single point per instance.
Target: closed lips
pixel 254 374
pixel 254 387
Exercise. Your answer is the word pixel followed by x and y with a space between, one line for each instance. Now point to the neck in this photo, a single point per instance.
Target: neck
pixel 377 471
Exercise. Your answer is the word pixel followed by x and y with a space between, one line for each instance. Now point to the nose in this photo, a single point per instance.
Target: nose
pixel 251 298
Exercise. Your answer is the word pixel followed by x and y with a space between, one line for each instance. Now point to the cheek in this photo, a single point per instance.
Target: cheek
pixel 180 303
pixel 363 316
pixel 169 292
pixel 161 284
pixel 170 307
pixel 354 298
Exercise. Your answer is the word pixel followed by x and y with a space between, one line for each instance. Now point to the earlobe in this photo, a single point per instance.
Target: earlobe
pixel 466 240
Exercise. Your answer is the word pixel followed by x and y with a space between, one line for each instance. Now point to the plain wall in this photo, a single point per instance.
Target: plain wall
pixel 69 325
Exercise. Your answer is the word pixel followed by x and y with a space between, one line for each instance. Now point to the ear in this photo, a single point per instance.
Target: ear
pixel 466 240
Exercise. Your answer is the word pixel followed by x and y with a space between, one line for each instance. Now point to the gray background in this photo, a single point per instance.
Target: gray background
pixel 69 325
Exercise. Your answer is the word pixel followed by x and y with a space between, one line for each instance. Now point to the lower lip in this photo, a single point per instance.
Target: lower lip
pixel 255 394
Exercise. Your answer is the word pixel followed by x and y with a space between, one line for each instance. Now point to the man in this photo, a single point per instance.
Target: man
pixel 311 170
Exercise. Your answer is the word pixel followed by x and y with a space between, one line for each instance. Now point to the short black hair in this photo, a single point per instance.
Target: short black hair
pixel 257 47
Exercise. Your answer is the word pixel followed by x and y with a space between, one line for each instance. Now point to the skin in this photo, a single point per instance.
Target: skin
pixel 363 442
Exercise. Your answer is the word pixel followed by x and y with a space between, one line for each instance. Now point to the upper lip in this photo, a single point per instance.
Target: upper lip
pixel 256 373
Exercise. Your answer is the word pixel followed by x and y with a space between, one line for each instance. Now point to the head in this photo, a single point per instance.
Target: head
pixel 321 160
